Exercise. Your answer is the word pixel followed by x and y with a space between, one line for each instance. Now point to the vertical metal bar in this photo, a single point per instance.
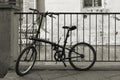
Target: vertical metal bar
pixel 58 30
pixel 33 24
pixel 40 44
pixel 39 48
pixel 77 29
pixel 115 39
pixel 51 38
pixel 33 16
pixel 20 22
pixel 89 34
pixel 108 37
pixel 64 25
pixel 26 31
pixel 77 34
pixel 45 38
pixel 83 33
pixel 96 34
pixel 83 29
pixel 33 27
pixel 102 35
pixel 71 31
pixel 26 35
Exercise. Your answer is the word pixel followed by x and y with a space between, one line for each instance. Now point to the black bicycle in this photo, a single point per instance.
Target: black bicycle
pixel 81 56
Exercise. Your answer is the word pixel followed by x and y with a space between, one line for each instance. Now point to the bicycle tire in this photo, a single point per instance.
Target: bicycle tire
pixel 21 56
pixel 78 65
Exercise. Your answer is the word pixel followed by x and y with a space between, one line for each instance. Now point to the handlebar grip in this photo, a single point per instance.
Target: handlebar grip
pixel 33 9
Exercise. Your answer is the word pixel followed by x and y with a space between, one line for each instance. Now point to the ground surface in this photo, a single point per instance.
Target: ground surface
pixel 98 72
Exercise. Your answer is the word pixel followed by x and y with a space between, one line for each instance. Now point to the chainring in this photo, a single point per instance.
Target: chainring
pixel 58 56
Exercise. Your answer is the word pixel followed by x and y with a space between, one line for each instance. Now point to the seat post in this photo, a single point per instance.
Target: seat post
pixel 65 42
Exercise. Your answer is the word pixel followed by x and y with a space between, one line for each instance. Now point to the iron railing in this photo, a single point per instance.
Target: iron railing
pixel 101 30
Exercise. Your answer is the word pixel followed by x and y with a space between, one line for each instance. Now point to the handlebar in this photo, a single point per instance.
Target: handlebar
pixel 35 10
pixel 44 14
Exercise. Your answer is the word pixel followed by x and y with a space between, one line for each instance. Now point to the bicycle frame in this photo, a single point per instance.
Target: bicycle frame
pixel 52 43
pixel 29 54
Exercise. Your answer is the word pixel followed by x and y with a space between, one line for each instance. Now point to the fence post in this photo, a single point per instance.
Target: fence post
pixel 8 37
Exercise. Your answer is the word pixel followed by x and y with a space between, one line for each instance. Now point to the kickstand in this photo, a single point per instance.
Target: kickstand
pixel 64 64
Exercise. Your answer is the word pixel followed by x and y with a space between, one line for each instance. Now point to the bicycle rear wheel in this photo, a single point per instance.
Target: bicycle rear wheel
pixel 26 60
pixel 82 56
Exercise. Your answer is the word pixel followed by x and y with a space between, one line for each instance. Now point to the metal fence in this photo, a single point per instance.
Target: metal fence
pixel 101 30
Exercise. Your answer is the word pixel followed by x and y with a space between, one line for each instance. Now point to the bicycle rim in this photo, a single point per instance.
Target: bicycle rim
pixel 84 62
pixel 26 61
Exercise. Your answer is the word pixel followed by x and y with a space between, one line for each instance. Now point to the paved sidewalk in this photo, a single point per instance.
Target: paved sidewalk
pixel 65 75
pixel 55 73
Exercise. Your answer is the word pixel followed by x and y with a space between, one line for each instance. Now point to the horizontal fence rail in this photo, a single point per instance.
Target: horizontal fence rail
pixel 101 30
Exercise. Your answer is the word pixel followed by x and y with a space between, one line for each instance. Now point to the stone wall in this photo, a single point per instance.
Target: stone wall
pixel 9 37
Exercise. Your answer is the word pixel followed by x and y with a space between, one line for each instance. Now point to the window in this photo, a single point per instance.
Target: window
pixel 18 3
pixel 87 3
pixel 92 3
pixel 97 3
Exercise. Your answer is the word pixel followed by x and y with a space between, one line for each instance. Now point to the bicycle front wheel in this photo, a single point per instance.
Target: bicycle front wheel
pixel 26 60
pixel 82 56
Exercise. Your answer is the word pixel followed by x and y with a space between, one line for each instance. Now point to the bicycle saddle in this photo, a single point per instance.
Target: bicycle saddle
pixel 70 28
